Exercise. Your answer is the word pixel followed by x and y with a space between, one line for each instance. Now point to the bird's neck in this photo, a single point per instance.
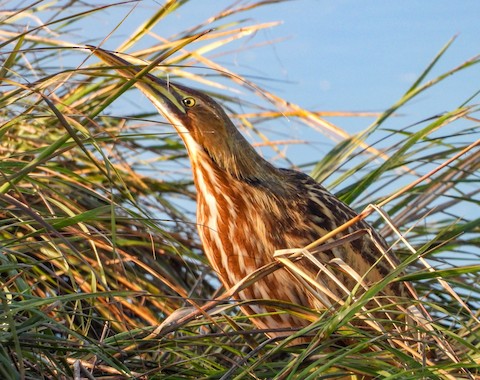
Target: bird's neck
pixel 240 161
pixel 235 159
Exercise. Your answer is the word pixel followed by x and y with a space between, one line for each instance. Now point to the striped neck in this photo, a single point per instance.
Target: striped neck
pixel 233 158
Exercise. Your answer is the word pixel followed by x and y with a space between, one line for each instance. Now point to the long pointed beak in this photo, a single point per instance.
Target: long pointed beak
pixel 160 92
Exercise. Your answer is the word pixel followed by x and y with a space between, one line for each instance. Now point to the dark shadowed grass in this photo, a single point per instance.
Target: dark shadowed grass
pixel 98 237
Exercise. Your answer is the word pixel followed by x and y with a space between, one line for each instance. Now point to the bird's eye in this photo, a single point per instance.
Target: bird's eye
pixel 189 102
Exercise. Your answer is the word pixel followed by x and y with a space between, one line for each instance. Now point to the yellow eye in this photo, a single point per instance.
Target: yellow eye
pixel 189 102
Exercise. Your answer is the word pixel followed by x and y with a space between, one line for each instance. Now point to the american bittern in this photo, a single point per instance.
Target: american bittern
pixel 247 208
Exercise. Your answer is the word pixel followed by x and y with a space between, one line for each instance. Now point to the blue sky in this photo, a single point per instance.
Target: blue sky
pixel 368 55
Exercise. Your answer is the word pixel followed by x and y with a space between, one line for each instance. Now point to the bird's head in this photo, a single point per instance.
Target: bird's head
pixel 201 122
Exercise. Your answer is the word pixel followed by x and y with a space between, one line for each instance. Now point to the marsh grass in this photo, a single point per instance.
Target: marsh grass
pixel 98 240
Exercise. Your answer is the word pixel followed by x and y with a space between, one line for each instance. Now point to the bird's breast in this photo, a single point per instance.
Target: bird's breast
pixel 236 223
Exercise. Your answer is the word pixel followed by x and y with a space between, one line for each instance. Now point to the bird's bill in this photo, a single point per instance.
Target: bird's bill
pixel 159 91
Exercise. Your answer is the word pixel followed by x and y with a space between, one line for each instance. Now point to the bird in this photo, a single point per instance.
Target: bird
pixel 248 209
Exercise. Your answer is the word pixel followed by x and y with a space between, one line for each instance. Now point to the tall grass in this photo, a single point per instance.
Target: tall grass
pixel 102 271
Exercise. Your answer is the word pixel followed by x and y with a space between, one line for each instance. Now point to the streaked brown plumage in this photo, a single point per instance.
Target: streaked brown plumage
pixel 247 208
